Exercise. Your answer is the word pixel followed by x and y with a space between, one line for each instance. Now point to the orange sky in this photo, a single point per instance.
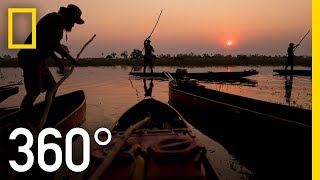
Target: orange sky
pixel 254 26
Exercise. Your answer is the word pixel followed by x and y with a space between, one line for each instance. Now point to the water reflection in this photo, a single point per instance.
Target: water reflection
pixel 110 92
pixel 288 87
pixel 239 81
pixel 148 91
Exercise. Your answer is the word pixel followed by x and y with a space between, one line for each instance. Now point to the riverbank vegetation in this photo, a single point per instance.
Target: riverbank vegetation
pixel 185 60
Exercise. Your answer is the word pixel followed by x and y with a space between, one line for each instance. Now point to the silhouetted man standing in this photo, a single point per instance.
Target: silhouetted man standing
pixel 37 77
pixel 148 55
pixel 290 57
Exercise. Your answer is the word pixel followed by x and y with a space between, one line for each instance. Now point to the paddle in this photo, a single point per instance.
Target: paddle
pixel 117 147
pixel 52 92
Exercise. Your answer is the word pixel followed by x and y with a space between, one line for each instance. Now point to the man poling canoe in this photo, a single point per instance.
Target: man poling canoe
pixel 37 77
pixel 292 47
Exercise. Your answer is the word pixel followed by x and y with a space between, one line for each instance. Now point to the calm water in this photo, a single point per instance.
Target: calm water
pixel 110 91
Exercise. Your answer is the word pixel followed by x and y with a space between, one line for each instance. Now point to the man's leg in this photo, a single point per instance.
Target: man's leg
pixel 32 83
pixel 26 107
pixel 144 66
pixel 48 84
pixel 151 66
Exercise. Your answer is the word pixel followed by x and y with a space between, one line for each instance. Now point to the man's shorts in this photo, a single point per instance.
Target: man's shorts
pixel 37 78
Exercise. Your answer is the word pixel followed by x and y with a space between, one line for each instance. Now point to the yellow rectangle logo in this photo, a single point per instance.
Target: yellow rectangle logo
pixel 33 12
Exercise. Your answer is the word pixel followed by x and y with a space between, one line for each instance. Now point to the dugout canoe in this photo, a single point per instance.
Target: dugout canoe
pixel 204 76
pixel 265 134
pixel 193 96
pixel 68 112
pixel 6 92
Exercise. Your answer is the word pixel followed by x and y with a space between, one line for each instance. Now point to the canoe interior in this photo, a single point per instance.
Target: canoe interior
pixel 162 116
pixel 167 131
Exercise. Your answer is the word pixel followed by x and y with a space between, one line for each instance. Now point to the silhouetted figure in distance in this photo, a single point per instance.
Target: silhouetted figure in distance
pixel 37 77
pixel 148 91
pixel 148 55
pixel 290 57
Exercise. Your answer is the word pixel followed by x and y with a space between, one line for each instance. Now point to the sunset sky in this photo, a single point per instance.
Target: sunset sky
pixel 206 26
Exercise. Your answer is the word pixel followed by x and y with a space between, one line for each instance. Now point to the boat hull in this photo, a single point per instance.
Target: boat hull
pixel 7 92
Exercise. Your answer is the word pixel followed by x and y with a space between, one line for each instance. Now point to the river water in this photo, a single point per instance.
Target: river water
pixel 110 91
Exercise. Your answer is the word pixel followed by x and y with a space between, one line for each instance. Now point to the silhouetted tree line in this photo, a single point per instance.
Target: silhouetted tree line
pixel 5 57
pixel 138 54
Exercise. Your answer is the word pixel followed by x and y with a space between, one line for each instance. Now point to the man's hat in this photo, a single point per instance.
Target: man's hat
pixel 75 13
pixel 291 44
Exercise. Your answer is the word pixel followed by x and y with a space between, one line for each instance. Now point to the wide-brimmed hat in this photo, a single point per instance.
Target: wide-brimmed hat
pixel 74 12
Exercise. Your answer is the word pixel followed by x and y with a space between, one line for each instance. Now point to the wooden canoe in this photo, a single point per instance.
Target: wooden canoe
pixel 205 76
pixel 294 72
pixel 8 110
pixel 6 92
pixel 163 148
pixel 69 111
pixel 265 135
pixel 197 97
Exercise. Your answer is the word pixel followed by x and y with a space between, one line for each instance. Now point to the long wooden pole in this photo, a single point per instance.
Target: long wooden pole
pixel 155 25
pixel 52 92
pixel 304 36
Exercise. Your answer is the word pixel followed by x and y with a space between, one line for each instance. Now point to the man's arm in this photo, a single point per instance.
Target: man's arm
pixel 145 41
pixel 294 47
pixel 64 53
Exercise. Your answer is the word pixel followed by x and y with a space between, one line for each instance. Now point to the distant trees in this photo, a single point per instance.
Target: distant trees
pixel 136 54
pixel 109 57
pixel 6 56
pixel 113 55
pixel 124 54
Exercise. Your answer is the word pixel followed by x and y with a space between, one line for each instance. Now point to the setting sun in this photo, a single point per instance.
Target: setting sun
pixel 229 43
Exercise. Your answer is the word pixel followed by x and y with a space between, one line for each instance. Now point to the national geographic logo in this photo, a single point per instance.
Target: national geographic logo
pixel 33 12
